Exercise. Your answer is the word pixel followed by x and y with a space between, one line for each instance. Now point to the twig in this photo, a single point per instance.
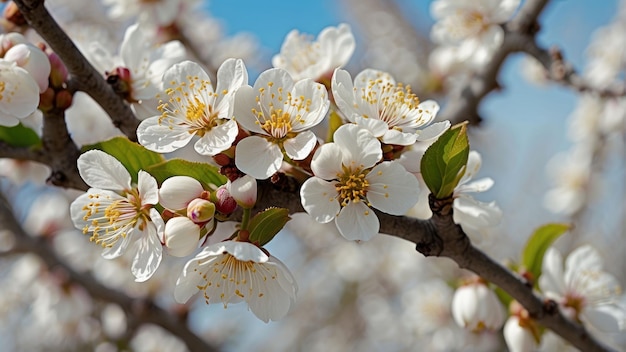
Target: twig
pixel 89 80
pixel 142 309
pixel 440 236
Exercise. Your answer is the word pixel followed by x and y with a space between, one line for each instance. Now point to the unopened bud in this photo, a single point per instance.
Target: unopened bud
pixel 63 99
pixel 200 210
pixel 224 202
pixel 243 190
pixel 13 14
pixel 58 71
pixel 181 236
pixel 476 307
pixel 120 81
pixel 47 100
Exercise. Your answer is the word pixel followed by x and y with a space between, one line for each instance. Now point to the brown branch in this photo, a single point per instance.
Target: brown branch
pixel 440 236
pixel 142 309
pixel 90 80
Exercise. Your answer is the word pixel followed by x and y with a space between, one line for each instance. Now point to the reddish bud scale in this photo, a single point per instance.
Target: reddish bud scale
pixel 243 236
pixel 63 99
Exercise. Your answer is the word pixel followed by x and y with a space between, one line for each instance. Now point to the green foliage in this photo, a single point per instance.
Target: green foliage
pixel 443 163
pixel 133 156
pixel 538 243
pixel 266 224
pixel 208 175
pixel 19 136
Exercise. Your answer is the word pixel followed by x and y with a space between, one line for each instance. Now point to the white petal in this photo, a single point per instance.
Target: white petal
pixel 357 222
pixel 551 279
pixel 148 189
pixel 257 157
pixel 162 138
pixel 360 148
pixel 218 139
pixel 468 211
pixel 299 147
pixel 392 189
pixel 326 162
pixel 319 199
pixel 101 170
pixel 120 246
pixel 481 185
pixel 189 280
pixel 433 131
pixel 343 93
pixel 177 191
pixel 231 75
pixel 393 136
pixel 149 252
pixel 377 127
pixel 243 251
pixel 20 96
pixel 245 101
pixel 604 318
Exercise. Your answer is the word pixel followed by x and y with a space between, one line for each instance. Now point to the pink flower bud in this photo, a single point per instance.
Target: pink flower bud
pixel 200 210
pixel 58 73
pixel 224 202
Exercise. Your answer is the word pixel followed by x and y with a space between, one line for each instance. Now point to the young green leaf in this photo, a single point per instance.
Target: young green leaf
pixel 208 175
pixel 19 136
pixel 443 163
pixel 266 224
pixel 538 243
pixel 133 156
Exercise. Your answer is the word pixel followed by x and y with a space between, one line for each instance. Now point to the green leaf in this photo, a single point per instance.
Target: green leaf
pixel 19 136
pixel 133 156
pixel 443 163
pixel 266 224
pixel 208 175
pixel 538 243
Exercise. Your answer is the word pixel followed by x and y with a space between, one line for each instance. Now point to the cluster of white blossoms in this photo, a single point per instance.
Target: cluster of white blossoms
pixel 147 208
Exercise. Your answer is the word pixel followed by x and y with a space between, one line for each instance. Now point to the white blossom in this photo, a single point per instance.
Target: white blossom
pixel 349 180
pixel 280 111
pixel 117 213
pixel 194 108
pixel 304 58
pixel 389 110
pixel 232 272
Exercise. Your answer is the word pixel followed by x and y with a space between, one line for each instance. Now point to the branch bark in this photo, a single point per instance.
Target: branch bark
pixel 89 80
pixel 143 310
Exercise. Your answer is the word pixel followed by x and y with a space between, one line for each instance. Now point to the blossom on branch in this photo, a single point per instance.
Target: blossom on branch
pixel 584 291
pixel 389 110
pixel 472 26
pixel 304 58
pixel 117 213
pixel 350 179
pixel 232 272
pixel 280 112
pixel 194 108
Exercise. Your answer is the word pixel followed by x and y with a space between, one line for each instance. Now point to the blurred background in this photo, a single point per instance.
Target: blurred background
pixel 381 295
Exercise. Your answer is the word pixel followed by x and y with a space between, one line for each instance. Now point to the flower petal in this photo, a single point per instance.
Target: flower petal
pixel 149 253
pixel 319 199
pixel 392 189
pixel 357 222
pixel 300 146
pixel 218 139
pixel 101 170
pixel 162 138
pixel 257 157
pixel 148 189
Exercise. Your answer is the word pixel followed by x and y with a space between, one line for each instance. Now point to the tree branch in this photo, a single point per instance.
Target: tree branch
pixel 440 236
pixel 143 310
pixel 89 80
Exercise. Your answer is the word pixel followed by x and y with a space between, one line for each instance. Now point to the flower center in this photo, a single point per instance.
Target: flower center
pixel 352 186
pixel 394 101
pixel 190 104
pixel 229 277
pixel 474 22
pixel 281 113
pixel 110 220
